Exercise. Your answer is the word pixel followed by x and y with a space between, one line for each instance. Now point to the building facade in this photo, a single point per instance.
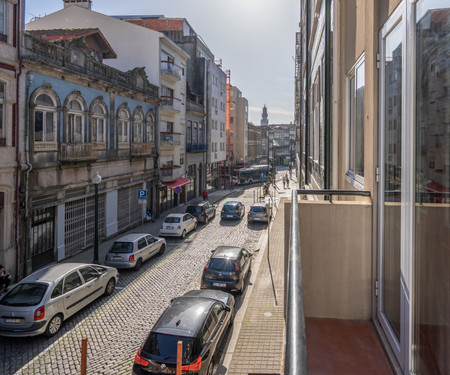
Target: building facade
pixel 373 108
pixel 239 128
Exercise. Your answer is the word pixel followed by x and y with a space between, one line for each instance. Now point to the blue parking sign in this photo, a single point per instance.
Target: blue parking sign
pixel 261 175
pixel 142 194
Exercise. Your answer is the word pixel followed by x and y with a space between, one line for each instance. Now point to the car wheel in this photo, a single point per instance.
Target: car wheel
pixel 183 235
pixel 54 325
pixel 110 287
pixel 138 265
pixel 162 249
pixel 210 370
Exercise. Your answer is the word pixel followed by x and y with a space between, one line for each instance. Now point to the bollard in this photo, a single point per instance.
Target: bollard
pixel 83 355
pixel 179 352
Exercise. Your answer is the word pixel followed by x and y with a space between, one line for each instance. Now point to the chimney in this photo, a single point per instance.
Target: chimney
pixel 81 3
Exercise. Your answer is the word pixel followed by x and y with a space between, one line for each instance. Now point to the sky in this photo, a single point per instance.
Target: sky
pixel 254 38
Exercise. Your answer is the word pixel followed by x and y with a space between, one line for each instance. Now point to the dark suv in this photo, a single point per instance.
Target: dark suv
pixel 227 269
pixel 202 211
pixel 199 319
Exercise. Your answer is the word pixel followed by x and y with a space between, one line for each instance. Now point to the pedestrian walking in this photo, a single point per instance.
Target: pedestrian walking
pixel 5 278
pixel 287 180
pixel 284 182
pixel 205 195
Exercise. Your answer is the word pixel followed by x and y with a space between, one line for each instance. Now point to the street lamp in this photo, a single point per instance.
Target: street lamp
pixel 96 180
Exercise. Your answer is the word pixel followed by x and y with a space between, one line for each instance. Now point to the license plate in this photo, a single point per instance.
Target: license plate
pixel 13 320
pixel 117 258
pixel 229 215
pixel 220 285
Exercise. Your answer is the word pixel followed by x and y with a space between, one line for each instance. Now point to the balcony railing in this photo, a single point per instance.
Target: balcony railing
pixel 195 107
pixel 171 104
pixel 143 149
pixel 170 70
pixel 77 152
pixel 170 139
pixel 196 147
pixel 170 173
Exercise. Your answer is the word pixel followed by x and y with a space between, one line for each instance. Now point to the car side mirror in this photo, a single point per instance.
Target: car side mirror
pixel 226 308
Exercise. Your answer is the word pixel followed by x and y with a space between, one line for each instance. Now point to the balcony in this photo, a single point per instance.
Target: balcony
pixel 169 173
pixel 170 104
pixel 170 71
pixel 77 152
pixel 169 139
pixel 143 149
pixel 195 109
pixel 196 147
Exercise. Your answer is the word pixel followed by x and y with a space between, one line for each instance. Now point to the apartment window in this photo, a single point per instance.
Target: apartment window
pixel 150 127
pixel 98 123
pixel 123 127
pixel 200 133
pixel 74 131
pixel 3 20
pixel 45 117
pixel 355 123
pixel 189 132
pixel 195 133
pixel 2 113
pixel 181 161
pixel 138 127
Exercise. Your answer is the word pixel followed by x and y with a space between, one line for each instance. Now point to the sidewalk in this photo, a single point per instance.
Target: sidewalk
pixel 87 255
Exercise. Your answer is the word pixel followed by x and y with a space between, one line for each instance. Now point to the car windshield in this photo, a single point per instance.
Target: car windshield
pixel 164 347
pixel 193 210
pixel 224 265
pixel 27 294
pixel 229 208
pixel 258 209
pixel 172 219
pixel 122 247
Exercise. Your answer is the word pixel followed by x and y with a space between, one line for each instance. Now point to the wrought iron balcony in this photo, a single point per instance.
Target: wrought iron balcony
pixel 77 152
pixel 170 71
pixel 170 104
pixel 170 139
pixel 196 147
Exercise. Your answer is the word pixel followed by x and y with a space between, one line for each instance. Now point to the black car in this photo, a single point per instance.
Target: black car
pixel 232 210
pixel 199 319
pixel 203 211
pixel 227 269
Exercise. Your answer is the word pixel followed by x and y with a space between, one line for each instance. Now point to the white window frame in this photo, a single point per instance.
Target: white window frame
pixel 123 123
pixel 44 144
pixel 138 127
pixel 100 120
pixel 3 4
pixel 353 178
pixel 72 117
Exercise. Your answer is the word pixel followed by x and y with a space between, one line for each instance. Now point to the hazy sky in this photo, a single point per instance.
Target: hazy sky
pixel 254 38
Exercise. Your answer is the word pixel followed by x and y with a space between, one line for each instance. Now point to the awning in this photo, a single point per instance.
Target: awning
pixel 178 182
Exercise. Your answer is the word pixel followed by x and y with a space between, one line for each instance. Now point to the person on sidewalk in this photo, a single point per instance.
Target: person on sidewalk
pixel 205 195
pixel 287 180
pixel 284 182
pixel 5 278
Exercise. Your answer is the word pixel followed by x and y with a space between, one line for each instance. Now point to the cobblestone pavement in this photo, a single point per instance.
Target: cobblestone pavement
pixel 116 326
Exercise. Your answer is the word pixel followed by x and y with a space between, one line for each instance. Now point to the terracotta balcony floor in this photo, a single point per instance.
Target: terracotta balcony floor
pixel 344 347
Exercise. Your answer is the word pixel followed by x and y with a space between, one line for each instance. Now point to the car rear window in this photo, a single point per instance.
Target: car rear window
pixel 172 220
pixel 229 207
pixel 164 347
pixel 122 247
pixel 224 265
pixel 27 294
pixel 258 209
pixel 194 210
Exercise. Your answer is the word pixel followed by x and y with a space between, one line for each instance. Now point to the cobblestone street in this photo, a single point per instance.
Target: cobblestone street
pixel 116 326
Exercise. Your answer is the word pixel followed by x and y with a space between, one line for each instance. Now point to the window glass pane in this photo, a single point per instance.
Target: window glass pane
pixel 351 127
pixel 432 209
pixel 101 130
pixel 78 130
pixel 73 104
pixel 392 178
pixel 94 129
pixel 2 90
pixel 2 126
pixel 44 99
pixel 359 121
pixel 49 127
pixel 38 126
pixel 98 109
pixel 2 16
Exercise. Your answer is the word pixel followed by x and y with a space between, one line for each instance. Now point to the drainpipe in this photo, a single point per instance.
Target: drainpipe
pixel 327 96
pixel 307 145
pixel 17 43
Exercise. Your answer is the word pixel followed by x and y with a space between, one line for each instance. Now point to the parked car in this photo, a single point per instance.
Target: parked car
pixel 260 212
pixel 232 210
pixel 178 225
pixel 227 269
pixel 203 211
pixel 199 319
pixel 43 300
pixel 132 250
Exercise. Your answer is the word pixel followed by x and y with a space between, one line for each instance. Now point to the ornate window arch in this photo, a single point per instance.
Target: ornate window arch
pixel 75 119
pixel 45 105
pixel 150 127
pixel 123 126
pixel 138 126
pixel 99 121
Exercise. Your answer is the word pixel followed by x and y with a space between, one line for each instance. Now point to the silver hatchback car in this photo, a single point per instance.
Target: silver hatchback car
pixel 43 300
pixel 131 250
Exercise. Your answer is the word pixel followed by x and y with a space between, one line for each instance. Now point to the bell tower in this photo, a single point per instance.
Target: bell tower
pixel 264 117
pixel 81 3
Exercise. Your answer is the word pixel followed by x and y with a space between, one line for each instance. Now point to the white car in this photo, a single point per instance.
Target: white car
pixel 43 300
pixel 178 225
pixel 132 249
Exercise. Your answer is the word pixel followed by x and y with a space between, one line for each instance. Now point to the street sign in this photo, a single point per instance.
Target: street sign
pixel 261 175
pixel 177 190
pixel 142 194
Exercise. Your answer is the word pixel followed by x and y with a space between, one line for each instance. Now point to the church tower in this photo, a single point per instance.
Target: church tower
pixel 81 3
pixel 264 117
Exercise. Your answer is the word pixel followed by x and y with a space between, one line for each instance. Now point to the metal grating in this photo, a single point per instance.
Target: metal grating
pixel 129 210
